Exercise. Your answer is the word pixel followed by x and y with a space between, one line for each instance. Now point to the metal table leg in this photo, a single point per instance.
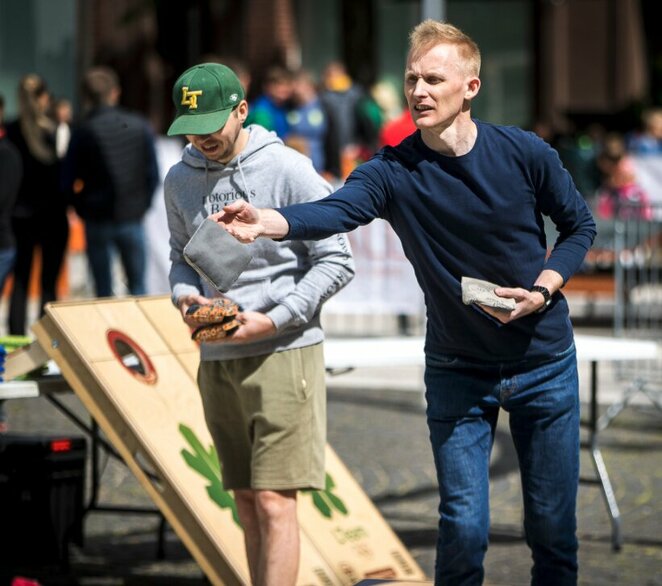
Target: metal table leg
pixel 600 468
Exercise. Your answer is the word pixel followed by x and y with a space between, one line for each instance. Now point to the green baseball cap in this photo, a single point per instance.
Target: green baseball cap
pixel 204 96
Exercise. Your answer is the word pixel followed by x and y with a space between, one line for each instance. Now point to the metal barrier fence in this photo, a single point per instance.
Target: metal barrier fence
pixel 638 298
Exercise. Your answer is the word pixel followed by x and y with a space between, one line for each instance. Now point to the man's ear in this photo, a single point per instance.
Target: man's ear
pixel 114 97
pixel 473 85
pixel 242 111
pixel 472 88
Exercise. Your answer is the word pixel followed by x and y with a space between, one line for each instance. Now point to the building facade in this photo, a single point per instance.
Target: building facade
pixel 551 60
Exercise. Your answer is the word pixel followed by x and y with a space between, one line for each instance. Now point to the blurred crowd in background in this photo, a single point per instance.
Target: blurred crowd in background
pixel 602 162
pixel 66 176
pixel 71 182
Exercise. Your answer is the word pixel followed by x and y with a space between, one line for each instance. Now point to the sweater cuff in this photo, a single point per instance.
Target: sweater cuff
pixel 282 317
pixel 285 213
pixel 181 290
pixel 558 268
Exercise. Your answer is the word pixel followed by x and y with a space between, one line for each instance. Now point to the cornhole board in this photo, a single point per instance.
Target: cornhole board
pixel 133 365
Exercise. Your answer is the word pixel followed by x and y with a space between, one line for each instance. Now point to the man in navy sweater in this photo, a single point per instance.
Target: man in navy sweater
pixel 467 198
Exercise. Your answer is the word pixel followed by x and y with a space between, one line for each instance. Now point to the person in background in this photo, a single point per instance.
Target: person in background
pixel 263 388
pixel 269 109
pixel 578 150
pixel 396 130
pixel 39 217
pixel 341 97
pixel 467 198
pixel 370 119
pixel 649 140
pixel 11 172
pixel 389 99
pixel 111 170
pixel 237 65
pixel 545 130
pixel 63 114
pixel 308 122
pixel 620 194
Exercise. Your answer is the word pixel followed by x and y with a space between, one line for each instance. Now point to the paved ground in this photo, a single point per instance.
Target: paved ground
pixel 363 419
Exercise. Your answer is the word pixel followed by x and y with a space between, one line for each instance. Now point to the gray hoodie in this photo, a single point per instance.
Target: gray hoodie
pixel 287 280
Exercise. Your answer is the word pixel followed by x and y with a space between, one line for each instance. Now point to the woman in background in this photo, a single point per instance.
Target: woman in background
pixel 39 217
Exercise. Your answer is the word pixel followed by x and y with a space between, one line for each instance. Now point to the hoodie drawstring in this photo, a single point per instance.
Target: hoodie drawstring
pixel 243 177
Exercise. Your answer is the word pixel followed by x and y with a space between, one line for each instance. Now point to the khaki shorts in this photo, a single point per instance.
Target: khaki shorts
pixel 267 418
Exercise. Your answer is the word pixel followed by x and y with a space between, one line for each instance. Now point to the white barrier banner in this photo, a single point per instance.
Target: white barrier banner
pixel 384 282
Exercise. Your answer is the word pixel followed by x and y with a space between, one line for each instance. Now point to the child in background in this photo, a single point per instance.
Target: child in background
pixel 619 185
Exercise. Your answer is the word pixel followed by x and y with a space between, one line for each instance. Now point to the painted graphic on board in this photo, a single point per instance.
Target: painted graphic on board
pixel 326 502
pixel 206 463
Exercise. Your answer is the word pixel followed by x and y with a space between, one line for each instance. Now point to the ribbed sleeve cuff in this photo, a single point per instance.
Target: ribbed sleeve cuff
pixel 181 290
pixel 281 316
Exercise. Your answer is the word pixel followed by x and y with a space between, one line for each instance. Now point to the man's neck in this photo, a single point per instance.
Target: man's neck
pixel 455 140
pixel 239 146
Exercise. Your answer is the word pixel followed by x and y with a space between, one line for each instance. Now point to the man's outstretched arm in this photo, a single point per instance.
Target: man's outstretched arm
pixel 247 223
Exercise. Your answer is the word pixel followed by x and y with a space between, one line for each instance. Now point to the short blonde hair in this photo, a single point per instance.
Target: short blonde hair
pixel 430 33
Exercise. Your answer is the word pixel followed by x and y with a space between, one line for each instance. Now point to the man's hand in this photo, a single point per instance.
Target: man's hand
pixel 526 303
pixel 254 326
pixel 247 223
pixel 185 301
pixel 241 219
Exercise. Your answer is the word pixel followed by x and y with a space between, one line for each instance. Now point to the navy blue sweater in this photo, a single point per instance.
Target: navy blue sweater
pixel 479 215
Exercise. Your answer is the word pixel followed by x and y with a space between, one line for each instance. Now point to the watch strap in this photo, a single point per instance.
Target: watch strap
pixel 546 295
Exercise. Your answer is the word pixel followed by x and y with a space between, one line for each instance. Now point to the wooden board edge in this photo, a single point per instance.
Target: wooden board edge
pixel 24 360
pixel 75 372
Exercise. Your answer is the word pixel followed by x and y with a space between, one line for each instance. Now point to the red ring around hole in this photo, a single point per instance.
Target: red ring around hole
pixel 150 377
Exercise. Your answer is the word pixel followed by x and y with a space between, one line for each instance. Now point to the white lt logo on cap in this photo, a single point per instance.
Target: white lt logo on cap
pixel 190 99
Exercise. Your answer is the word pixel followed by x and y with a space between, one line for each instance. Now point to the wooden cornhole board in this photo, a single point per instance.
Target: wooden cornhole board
pixel 133 365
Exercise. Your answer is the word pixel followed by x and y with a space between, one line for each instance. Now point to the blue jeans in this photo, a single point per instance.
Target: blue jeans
pixel 129 240
pixel 542 398
pixel 7 258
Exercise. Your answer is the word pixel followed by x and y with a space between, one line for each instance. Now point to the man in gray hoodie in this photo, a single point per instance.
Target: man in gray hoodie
pixel 263 388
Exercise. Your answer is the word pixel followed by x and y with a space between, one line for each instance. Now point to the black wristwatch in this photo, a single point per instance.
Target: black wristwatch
pixel 545 293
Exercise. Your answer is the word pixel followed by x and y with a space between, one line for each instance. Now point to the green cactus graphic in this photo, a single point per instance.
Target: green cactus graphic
pixel 206 463
pixel 325 501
